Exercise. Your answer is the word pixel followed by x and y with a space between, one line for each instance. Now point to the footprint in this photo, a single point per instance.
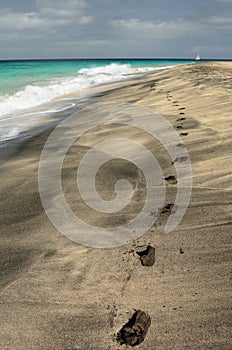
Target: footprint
pixel 180 144
pixel 152 86
pixel 179 127
pixel 171 179
pixel 134 331
pixel 112 314
pixel 167 208
pixel 182 113
pixel 49 253
pixel 180 159
pixel 181 250
pixel 180 119
pixel 147 255
pixel 184 134
pixel 175 101
pixel 181 108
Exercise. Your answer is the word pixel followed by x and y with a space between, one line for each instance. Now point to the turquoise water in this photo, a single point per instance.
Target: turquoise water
pixel 15 75
pixel 29 89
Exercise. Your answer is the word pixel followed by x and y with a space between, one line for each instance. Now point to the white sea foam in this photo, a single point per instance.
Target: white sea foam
pixel 12 133
pixel 13 108
pixel 150 69
pixel 113 69
pixel 30 118
pixel 34 95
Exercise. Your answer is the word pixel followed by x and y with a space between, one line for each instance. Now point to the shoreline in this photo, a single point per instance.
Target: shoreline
pixel 58 294
pixel 88 95
pixel 79 98
pixel 82 75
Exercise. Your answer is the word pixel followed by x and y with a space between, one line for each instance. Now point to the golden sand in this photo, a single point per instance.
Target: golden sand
pixel 56 294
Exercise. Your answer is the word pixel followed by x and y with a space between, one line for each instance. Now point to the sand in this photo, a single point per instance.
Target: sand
pixel 57 294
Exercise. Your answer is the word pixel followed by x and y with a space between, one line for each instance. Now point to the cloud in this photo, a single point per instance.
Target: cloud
pixel 90 28
pixel 220 22
pixel 50 14
pixel 168 29
pixel 20 21
pixel 65 10
pixel 156 28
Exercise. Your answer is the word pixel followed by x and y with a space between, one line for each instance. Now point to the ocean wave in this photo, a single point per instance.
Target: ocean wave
pixel 20 111
pixel 37 94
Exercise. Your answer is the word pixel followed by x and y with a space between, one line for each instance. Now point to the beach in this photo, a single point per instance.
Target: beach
pixel 58 294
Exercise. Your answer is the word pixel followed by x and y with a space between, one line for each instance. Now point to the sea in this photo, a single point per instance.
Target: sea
pixel 31 90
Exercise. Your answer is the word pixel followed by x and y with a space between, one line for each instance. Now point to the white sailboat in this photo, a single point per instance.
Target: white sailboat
pixel 198 57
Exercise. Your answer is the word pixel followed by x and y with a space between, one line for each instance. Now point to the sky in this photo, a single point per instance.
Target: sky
pixel 115 29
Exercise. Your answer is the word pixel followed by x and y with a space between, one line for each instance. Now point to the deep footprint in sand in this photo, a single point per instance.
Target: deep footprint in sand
pixel 167 208
pixel 134 331
pixel 146 255
pixel 152 86
pixel 179 127
pixel 171 179
pixel 184 134
pixel 181 108
pixel 181 119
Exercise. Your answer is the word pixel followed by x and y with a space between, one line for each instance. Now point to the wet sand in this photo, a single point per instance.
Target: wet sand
pixel 56 294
